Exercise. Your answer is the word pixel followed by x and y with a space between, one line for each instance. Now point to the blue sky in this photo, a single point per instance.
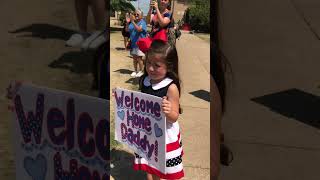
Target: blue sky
pixel 142 4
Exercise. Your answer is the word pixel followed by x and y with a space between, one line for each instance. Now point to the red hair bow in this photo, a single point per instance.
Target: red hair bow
pixel 145 43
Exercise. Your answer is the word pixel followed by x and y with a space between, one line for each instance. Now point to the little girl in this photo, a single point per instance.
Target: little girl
pixel 161 79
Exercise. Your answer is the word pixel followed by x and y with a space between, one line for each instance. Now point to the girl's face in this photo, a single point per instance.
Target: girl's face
pixel 164 4
pixel 156 68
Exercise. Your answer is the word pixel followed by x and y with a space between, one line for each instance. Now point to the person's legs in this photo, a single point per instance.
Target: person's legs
pixel 152 177
pixel 135 65
pixel 81 7
pixel 125 42
pixel 149 176
pixel 140 62
pixel 99 13
pixel 100 18
pixel 155 177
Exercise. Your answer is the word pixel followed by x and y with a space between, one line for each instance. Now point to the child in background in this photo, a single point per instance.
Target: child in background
pixel 161 78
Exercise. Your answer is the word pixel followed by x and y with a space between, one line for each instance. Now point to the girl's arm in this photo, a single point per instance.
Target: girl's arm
pixel 148 17
pixel 163 21
pixel 170 104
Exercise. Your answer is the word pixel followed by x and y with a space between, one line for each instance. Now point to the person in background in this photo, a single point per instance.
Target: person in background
pixel 125 31
pixel 137 29
pixel 83 38
pixel 161 16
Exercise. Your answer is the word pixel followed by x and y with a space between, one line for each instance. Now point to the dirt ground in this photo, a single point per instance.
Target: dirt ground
pixel 32 49
pixel 120 69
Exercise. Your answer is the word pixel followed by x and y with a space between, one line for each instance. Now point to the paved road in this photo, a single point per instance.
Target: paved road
pixel 194 57
pixel 273 46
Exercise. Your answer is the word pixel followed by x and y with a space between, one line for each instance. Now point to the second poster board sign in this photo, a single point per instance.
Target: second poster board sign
pixel 60 135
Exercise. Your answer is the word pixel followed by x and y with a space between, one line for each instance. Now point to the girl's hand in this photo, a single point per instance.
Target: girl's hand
pixel 166 106
pixel 113 91
pixel 154 4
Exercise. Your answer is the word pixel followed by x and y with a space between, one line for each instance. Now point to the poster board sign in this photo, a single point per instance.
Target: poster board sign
pixel 140 124
pixel 60 135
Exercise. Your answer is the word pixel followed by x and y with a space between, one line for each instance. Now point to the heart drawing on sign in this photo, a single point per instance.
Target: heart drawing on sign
pixel 157 130
pixel 121 114
pixel 36 168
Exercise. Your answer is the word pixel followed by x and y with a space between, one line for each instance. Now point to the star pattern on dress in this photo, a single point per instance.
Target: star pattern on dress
pixel 174 161
pixel 137 156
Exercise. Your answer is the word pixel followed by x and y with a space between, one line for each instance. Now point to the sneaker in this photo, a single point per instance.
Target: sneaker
pixel 133 74
pixel 94 41
pixel 139 74
pixel 76 39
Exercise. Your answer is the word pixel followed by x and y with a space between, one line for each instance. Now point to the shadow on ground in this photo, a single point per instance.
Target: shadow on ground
pixel 123 71
pixel 202 94
pixel 44 31
pixel 114 29
pixel 123 166
pixel 134 81
pixel 120 49
pixel 76 61
pixel 294 104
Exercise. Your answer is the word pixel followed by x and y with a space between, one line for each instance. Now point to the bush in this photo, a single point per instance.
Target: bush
pixel 122 17
pixel 198 15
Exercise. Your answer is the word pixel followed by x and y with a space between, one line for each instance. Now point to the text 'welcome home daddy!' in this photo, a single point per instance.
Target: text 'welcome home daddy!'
pixel 140 124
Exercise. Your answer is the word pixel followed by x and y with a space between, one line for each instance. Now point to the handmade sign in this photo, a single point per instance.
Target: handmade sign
pixel 60 135
pixel 140 124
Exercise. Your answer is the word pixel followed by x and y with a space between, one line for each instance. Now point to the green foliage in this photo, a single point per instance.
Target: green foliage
pixel 198 15
pixel 121 5
pixel 122 17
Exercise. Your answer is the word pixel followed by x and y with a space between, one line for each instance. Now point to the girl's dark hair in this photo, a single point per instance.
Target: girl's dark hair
pixel 169 5
pixel 170 54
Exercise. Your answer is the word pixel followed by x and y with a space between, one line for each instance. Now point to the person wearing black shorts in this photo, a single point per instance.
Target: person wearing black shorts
pixel 125 33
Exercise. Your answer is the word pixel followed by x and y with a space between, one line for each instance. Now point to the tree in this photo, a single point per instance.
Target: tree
pixel 198 15
pixel 121 5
